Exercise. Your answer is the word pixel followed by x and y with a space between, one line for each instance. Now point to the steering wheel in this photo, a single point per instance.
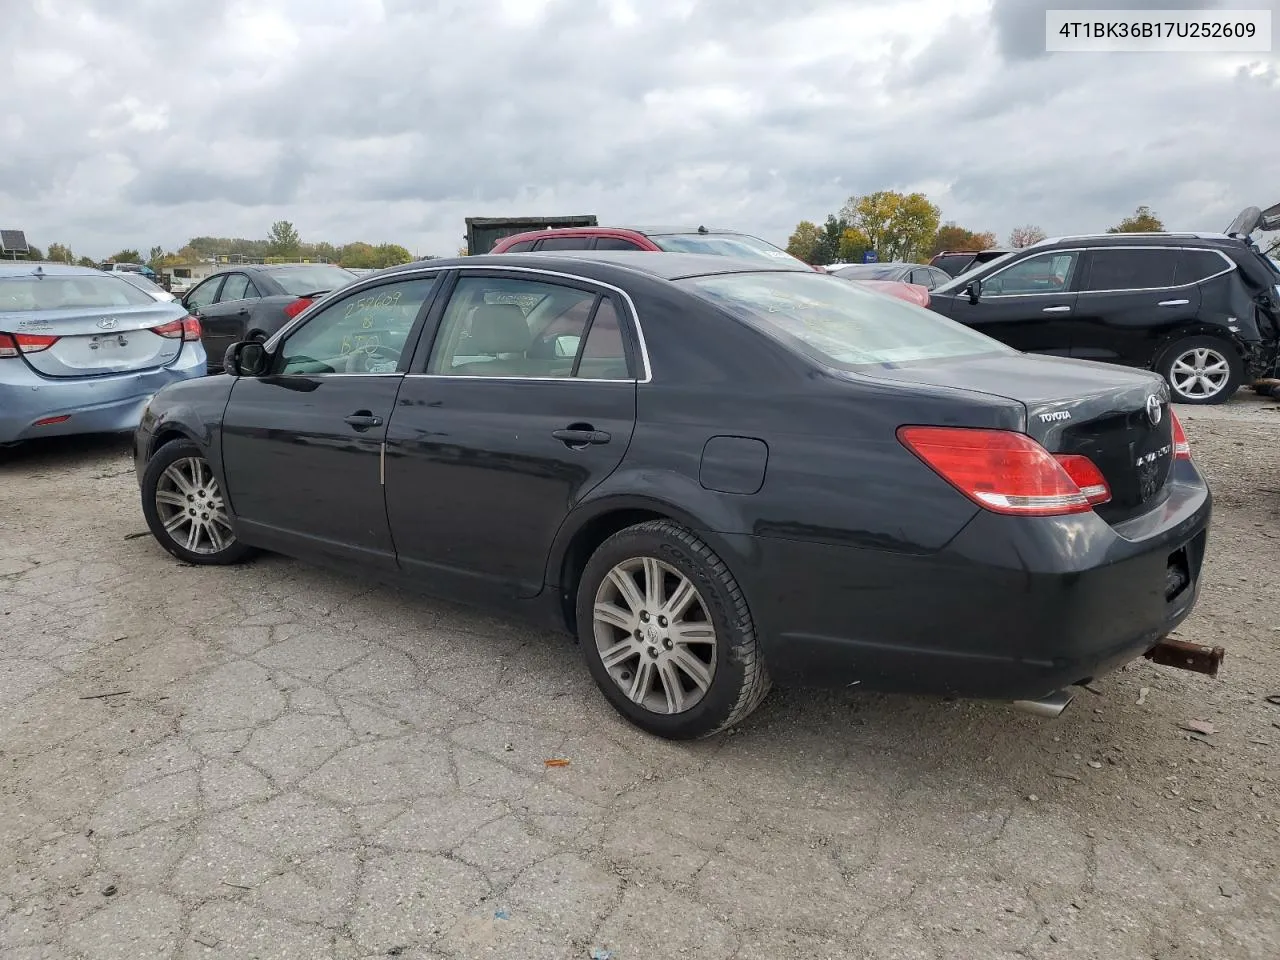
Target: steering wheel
pixel 359 359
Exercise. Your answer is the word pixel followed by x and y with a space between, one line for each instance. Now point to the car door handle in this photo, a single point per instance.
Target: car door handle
pixel 581 438
pixel 1174 303
pixel 1057 309
pixel 242 312
pixel 363 420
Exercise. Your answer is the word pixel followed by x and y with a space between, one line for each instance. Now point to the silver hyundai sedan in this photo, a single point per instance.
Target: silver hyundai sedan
pixel 82 351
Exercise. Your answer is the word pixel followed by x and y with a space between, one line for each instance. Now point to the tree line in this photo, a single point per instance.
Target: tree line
pixel 900 227
pixel 282 240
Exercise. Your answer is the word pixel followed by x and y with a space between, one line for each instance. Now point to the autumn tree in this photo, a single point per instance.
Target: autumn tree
pixel 86 262
pixel 60 254
pixel 897 227
pixel 804 240
pixel 1025 236
pixel 358 254
pixel 1142 221
pixel 282 240
pixel 951 236
pixel 853 244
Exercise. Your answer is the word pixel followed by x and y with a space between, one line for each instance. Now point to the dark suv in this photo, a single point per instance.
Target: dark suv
pixel 1203 310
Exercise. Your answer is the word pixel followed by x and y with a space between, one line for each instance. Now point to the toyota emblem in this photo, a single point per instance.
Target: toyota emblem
pixel 1154 413
pixel 106 323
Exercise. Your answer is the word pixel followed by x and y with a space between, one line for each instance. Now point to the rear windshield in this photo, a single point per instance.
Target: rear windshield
pixel 723 245
pixel 961 281
pixel 838 323
pixel 68 293
pixel 317 279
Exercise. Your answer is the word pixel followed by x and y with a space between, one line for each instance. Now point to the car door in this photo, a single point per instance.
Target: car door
pixel 1027 304
pixel 203 294
pixel 302 447
pixel 526 403
pixel 1130 304
pixel 222 322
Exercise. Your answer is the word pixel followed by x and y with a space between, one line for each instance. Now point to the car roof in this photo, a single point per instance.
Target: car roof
pixel 22 268
pixel 1162 239
pixel 664 266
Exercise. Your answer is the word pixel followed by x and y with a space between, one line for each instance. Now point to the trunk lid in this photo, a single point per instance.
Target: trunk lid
pixel 1116 416
pixel 97 341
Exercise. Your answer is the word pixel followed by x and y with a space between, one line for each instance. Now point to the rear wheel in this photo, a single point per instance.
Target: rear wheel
pixel 185 508
pixel 1201 370
pixel 667 634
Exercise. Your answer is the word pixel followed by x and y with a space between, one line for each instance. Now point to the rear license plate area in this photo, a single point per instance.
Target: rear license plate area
pixel 1177 575
pixel 106 341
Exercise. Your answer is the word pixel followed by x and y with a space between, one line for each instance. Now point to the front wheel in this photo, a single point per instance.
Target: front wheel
pixel 185 508
pixel 1201 370
pixel 667 634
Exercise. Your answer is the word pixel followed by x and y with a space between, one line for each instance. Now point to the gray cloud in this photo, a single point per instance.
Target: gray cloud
pixel 394 120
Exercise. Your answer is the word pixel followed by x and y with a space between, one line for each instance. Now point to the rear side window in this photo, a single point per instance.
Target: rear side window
pixel 616 243
pixel 1130 269
pixel 236 287
pixel 68 293
pixel 1196 265
pixel 566 243
pixel 521 247
pixel 840 324
pixel 953 264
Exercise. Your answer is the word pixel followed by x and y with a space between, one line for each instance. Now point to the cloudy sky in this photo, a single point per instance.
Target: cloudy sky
pixel 132 124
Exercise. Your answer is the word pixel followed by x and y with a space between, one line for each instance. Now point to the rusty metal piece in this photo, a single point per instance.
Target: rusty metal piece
pixel 1187 656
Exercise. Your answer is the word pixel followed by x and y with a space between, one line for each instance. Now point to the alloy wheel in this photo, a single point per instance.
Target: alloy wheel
pixel 191 509
pixel 1199 373
pixel 654 635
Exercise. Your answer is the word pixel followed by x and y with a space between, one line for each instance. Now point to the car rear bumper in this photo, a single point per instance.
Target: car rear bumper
pixel 106 404
pixel 1012 608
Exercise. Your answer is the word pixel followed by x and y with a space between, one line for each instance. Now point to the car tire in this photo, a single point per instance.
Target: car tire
pixel 180 494
pixel 680 689
pixel 1194 369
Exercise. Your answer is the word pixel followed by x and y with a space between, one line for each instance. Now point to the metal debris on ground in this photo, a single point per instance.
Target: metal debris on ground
pixel 103 696
pixel 109 891
pixel 556 762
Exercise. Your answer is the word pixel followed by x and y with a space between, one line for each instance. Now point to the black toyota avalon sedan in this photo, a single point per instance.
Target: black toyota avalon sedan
pixel 715 474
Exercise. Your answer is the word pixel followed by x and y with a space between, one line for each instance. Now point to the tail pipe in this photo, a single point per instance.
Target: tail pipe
pixel 1187 656
pixel 1049 706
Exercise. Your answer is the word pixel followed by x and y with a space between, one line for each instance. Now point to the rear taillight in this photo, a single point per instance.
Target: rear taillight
pixel 1008 472
pixel 14 344
pixel 1181 449
pixel 1086 475
pixel 293 309
pixel 188 328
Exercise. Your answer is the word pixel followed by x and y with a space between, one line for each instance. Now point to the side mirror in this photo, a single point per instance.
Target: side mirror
pixel 974 290
pixel 248 358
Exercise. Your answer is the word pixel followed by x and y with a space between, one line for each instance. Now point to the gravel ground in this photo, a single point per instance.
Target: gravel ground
pixel 272 761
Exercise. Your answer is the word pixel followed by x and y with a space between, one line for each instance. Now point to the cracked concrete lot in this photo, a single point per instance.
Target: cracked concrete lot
pixel 272 761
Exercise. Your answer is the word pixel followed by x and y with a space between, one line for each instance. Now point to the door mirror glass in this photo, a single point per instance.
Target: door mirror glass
pixel 248 358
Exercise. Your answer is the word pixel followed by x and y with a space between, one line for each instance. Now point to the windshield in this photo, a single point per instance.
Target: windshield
pixel 838 323
pixel 960 282
pixel 723 245
pixel 311 279
pixel 68 293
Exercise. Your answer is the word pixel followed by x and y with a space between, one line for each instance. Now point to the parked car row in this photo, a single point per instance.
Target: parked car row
pixel 715 472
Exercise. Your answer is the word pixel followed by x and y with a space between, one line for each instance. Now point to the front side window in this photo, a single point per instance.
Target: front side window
pixel 565 243
pixel 1123 269
pixel 1046 273
pixel 366 332
pixel 529 329
pixel 840 324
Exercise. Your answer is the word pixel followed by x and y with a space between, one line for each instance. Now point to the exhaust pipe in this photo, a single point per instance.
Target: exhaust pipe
pixel 1048 706
pixel 1187 656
